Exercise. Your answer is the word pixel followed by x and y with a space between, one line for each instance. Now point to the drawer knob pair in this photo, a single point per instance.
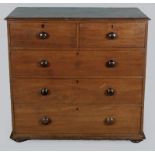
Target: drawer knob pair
pixel 45 120
pixel 111 63
pixel 109 120
pixel 43 35
pixel 111 35
pixel 110 92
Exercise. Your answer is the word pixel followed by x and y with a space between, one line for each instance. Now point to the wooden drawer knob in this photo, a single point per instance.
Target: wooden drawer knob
pixel 44 91
pixel 110 92
pixel 44 63
pixel 111 63
pixel 45 120
pixel 112 35
pixel 43 35
pixel 109 120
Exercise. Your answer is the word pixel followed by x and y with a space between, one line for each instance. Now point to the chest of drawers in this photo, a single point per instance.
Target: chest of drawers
pixel 77 73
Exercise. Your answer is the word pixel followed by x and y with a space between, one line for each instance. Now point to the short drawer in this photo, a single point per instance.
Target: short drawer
pixel 42 34
pixel 60 92
pixel 112 34
pixel 82 64
pixel 94 120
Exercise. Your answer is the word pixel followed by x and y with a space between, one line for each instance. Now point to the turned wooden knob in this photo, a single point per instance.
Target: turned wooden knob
pixel 44 63
pixel 109 120
pixel 110 92
pixel 43 35
pixel 44 91
pixel 111 63
pixel 112 35
pixel 45 120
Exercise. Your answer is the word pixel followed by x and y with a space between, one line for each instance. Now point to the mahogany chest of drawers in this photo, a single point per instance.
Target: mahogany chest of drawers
pixel 77 73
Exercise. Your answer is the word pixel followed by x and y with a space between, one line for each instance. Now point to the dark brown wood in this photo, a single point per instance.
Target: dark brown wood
pixel 45 120
pixel 136 141
pixel 135 137
pixel 17 139
pixel 77 77
pixel 109 120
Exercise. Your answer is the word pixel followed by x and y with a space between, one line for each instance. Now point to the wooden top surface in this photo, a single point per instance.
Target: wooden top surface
pixel 75 13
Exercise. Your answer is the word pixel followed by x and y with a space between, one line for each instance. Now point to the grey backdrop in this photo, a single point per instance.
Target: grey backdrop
pixel 5 108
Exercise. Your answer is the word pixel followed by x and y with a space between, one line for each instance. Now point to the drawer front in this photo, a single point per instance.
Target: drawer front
pixel 112 34
pixel 60 92
pixel 87 120
pixel 43 35
pixel 82 64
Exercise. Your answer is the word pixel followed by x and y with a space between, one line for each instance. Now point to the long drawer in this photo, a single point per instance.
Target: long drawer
pixel 129 62
pixel 60 92
pixel 94 120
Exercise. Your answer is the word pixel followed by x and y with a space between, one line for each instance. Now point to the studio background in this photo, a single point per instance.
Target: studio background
pixel 5 105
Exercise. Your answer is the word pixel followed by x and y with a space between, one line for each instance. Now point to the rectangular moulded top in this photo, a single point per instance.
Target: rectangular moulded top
pixel 67 13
